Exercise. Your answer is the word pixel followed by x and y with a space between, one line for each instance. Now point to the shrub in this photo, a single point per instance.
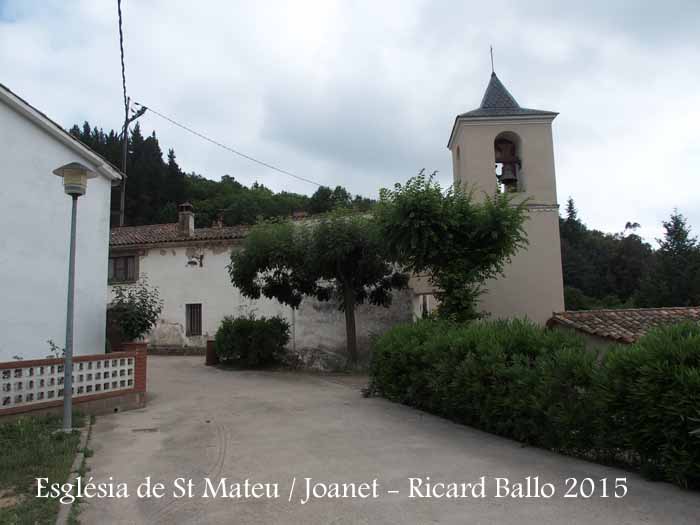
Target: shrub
pixel 641 404
pixel 251 342
pixel 484 373
pixel 136 309
pixel 652 391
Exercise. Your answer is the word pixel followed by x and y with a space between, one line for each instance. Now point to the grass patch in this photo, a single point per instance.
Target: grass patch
pixel 32 449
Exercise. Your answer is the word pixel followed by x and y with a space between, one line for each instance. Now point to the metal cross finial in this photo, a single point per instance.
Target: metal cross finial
pixel 492 70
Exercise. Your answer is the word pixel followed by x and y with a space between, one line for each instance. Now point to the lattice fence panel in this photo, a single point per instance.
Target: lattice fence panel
pixel 27 385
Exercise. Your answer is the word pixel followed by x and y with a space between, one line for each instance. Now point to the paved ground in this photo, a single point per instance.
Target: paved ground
pixel 270 427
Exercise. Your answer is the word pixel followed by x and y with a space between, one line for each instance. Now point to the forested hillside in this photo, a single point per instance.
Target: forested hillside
pixel 604 270
pixel 601 270
pixel 155 186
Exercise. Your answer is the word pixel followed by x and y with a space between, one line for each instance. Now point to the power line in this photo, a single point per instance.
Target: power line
pixel 219 144
pixel 121 49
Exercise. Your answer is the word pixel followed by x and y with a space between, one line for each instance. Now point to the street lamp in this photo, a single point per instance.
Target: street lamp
pixel 75 177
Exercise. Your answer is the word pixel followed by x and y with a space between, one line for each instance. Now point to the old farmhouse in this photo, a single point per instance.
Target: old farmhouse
pixel 188 266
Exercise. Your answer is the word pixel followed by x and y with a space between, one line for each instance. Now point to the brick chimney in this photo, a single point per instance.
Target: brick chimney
pixel 218 222
pixel 186 219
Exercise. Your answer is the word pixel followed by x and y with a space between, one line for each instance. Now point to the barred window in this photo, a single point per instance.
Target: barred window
pixel 122 269
pixel 193 325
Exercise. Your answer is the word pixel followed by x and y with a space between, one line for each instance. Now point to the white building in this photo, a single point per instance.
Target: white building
pixel 35 216
pixel 188 266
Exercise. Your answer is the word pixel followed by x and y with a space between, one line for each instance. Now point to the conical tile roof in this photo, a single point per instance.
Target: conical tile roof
pixel 498 102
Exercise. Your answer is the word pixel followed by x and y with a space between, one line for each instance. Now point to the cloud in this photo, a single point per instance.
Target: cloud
pixel 364 94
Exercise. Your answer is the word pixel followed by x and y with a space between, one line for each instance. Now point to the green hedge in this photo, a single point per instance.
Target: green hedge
pixel 638 404
pixel 250 342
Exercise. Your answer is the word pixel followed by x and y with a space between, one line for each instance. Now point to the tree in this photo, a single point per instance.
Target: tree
pixel 601 270
pixel 571 211
pixel 674 278
pixel 629 263
pixel 341 198
pixel 457 242
pixel 137 309
pixel 322 200
pixel 340 257
pixel 174 183
pixel 156 185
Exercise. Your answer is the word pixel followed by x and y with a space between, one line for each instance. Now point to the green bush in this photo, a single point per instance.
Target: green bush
pixel 652 390
pixel 250 342
pixel 640 404
pixel 136 308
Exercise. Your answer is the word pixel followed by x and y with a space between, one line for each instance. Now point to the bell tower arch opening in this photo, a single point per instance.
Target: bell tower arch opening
pixel 508 162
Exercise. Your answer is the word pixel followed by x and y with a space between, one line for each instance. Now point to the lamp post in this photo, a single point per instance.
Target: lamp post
pixel 75 177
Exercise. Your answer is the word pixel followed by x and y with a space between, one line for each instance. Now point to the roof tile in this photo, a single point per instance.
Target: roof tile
pixel 624 325
pixel 171 233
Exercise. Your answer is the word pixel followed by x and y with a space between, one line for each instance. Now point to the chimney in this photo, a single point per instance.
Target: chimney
pixel 219 221
pixel 186 219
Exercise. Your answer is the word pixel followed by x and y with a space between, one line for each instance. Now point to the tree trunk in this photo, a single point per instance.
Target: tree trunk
pixel 351 336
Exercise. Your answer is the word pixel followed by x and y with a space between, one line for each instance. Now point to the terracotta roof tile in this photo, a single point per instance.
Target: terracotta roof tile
pixel 624 325
pixel 171 233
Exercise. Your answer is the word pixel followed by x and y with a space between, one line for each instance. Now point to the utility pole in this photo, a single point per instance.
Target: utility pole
pixel 125 147
pixel 125 152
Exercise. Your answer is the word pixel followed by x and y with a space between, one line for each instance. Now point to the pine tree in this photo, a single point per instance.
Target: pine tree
pixel 675 273
pixel 571 211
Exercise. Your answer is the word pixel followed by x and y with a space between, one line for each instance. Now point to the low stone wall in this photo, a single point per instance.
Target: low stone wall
pixel 101 383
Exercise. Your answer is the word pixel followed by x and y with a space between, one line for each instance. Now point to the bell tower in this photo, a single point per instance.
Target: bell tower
pixel 501 146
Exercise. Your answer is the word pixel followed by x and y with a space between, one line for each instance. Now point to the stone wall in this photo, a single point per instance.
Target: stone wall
pixel 319 329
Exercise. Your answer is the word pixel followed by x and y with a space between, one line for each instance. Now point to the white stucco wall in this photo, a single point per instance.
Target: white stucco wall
pixel 317 328
pixel 532 285
pixel 35 222
pixel 179 284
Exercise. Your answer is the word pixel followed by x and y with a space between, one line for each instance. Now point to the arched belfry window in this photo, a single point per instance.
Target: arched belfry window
pixel 508 163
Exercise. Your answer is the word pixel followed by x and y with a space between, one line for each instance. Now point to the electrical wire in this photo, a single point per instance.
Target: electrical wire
pixel 219 144
pixel 121 49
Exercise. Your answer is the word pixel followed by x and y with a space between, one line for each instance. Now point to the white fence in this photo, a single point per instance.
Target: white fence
pixel 38 382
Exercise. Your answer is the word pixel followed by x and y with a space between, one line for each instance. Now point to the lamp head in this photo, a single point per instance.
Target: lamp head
pixel 75 176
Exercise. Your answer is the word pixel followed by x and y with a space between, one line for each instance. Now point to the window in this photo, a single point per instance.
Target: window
pixel 122 269
pixel 193 325
pixel 508 163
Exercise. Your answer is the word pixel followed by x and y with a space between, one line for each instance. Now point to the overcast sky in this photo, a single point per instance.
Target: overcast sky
pixel 364 94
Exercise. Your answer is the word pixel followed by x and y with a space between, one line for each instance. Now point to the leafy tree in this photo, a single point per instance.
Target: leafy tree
pixel 137 308
pixel 341 198
pixel 456 242
pixel 674 278
pixel 322 200
pixel 629 263
pixel 601 270
pixel 340 257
